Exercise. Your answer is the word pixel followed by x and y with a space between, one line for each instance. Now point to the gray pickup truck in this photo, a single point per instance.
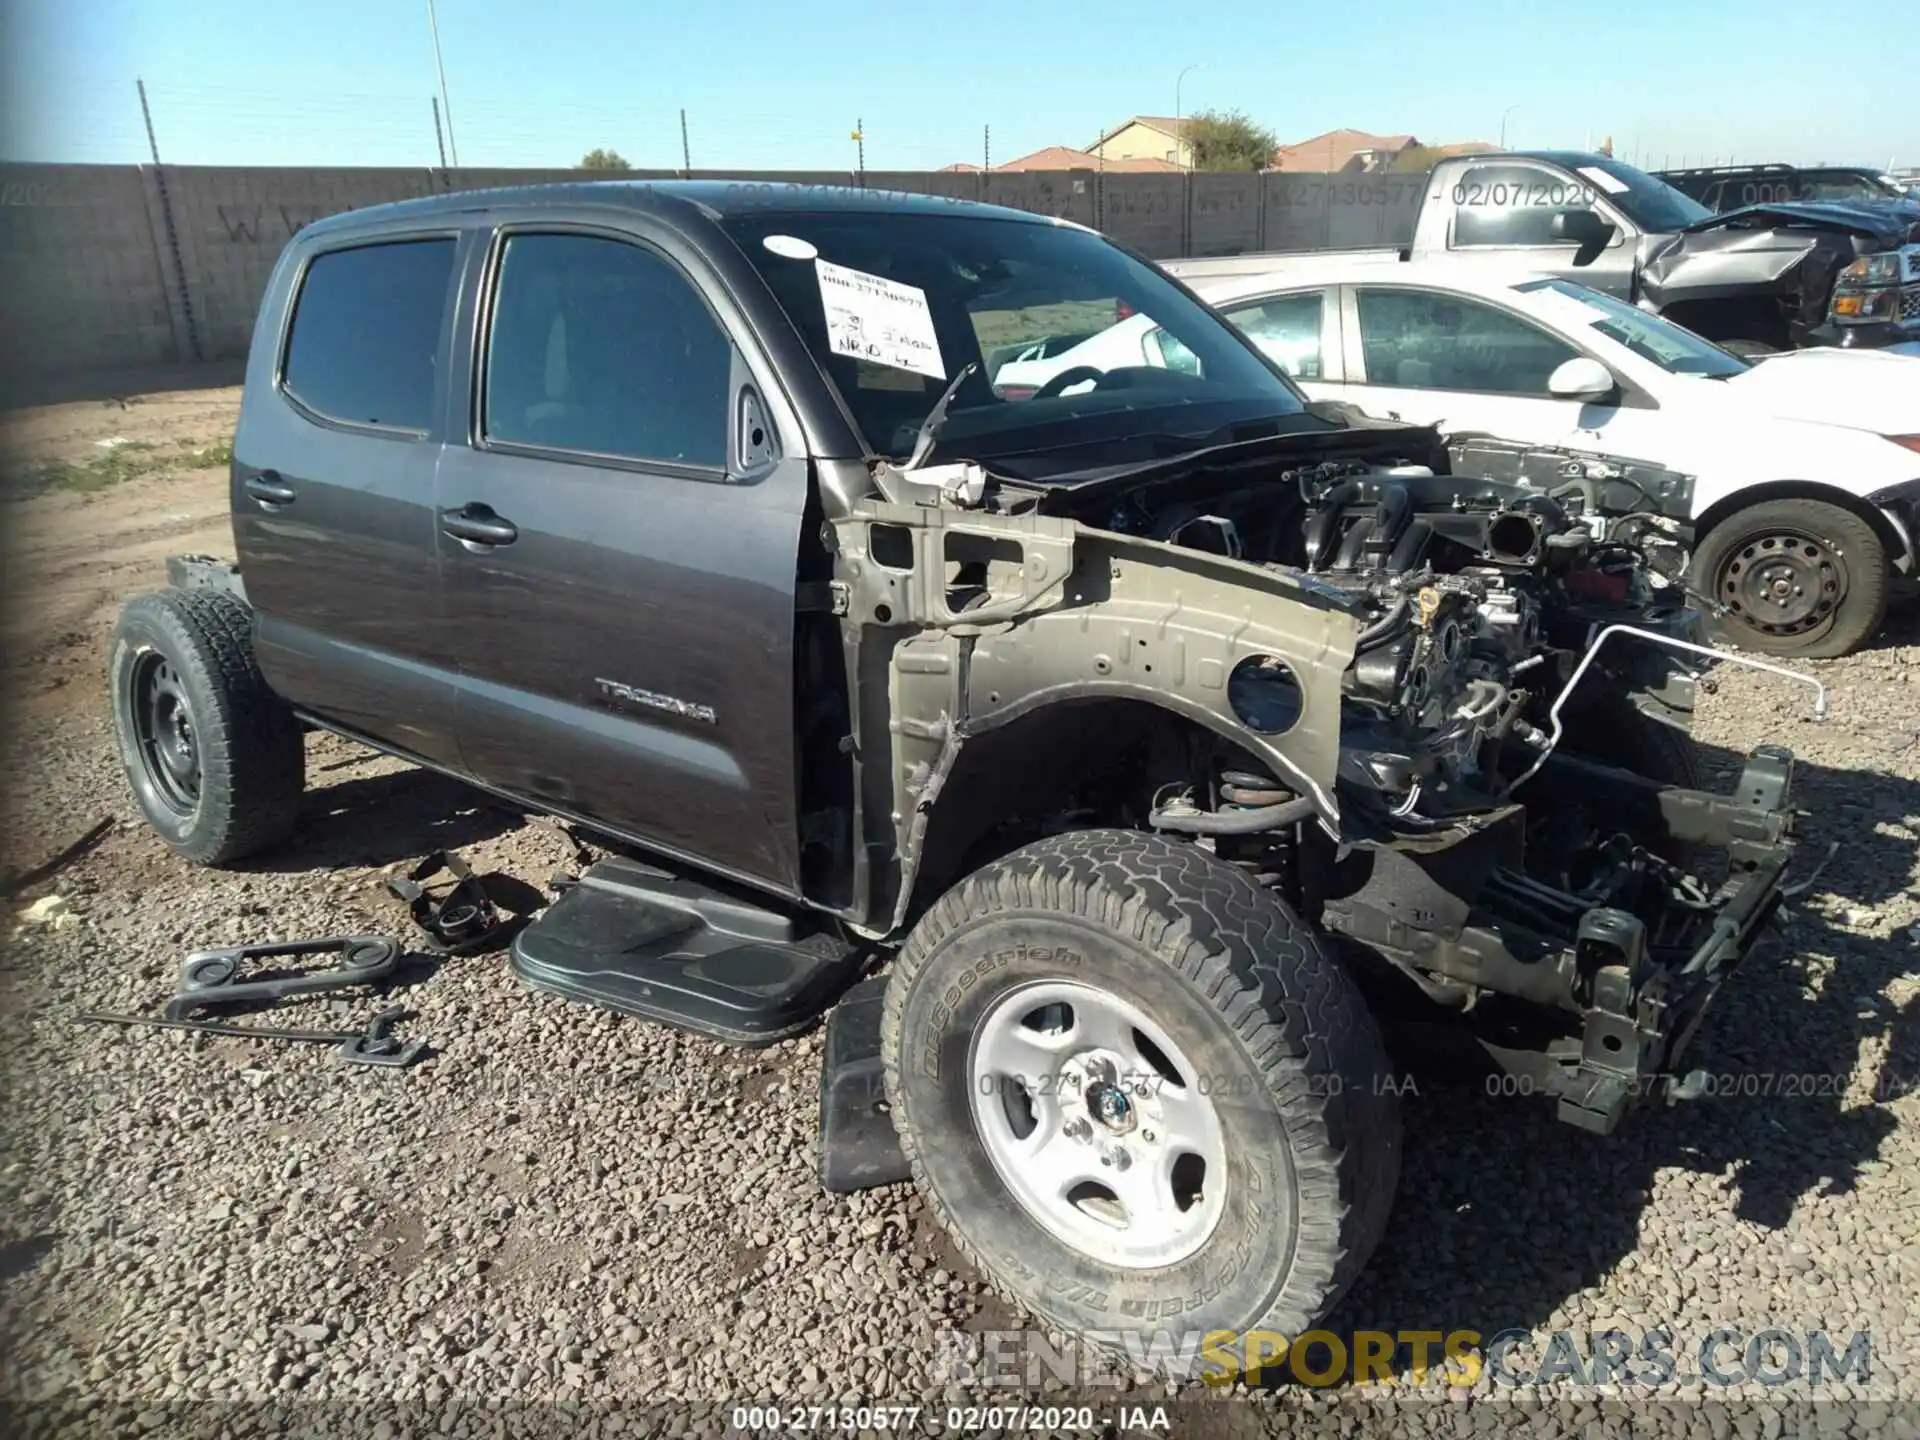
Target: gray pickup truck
pixel 1157 744
pixel 1756 279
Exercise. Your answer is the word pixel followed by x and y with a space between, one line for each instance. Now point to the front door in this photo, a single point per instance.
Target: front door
pixel 1434 357
pixel 1503 222
pixel 624 569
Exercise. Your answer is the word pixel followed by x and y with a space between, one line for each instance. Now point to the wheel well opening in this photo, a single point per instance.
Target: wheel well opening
pixel 1075 765
pixel 1721 510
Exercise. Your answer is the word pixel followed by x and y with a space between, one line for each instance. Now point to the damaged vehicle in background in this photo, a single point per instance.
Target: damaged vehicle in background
pixel 1161 739
pixel 1756 280
pixel 1795 481
pixel 1728 187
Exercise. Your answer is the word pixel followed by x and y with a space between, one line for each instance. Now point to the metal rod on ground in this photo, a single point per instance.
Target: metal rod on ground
pixel 439 138
pixel 147 115
pixel 686 154
pixel 433 24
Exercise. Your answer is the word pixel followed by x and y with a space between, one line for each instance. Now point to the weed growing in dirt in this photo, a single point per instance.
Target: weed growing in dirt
pixel 130 460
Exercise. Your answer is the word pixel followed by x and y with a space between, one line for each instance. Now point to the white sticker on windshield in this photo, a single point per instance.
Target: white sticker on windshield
pixel 873 318
pixel 791 246
pixel 1605 181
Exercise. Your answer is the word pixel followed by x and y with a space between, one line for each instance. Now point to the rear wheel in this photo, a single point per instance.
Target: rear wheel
pixel 1138 1093
pixel 1796 577
pixel 213 755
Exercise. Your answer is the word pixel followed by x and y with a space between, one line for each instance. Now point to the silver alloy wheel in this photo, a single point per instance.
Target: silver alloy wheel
pixel 1098 1124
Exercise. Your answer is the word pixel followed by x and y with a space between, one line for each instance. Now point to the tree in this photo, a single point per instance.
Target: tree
pixel 1228 140
pixel 598 159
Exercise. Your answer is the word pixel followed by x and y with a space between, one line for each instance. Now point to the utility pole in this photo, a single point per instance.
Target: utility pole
pixel 986 148
pixel 1179 143
pixel 686 154
pixel 438 138
pixel 147 115
pixel 1503 123
pixel 860 152
pixel 433 25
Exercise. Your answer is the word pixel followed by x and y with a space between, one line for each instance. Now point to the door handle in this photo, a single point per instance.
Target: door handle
pixel 477 525
pixel 269 489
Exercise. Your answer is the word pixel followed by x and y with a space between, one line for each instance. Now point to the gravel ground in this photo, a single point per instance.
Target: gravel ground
pixel 562 1205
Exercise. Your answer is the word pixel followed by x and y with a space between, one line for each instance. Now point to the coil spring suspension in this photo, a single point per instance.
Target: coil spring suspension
pixel 1269 859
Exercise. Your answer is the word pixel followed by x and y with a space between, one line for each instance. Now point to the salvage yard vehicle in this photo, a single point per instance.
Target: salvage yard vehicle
pixel 1796 480
pixel 1728 187
pixel 1161 740
pixel 1763 278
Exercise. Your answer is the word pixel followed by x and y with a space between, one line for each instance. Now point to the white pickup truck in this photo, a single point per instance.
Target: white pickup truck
pixel 1763 278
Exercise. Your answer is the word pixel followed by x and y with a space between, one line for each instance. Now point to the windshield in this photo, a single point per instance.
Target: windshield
pixel 1076 341
pixel 1677 351
pixel 1655 206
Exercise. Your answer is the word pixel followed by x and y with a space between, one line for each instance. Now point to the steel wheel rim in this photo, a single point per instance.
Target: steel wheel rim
pixel 1111 1145
pixel 1784 582
pixel 164 732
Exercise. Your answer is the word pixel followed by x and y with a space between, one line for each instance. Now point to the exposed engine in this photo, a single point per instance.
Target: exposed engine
pixel 1474 595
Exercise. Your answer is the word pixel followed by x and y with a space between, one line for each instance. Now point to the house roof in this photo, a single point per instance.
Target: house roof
pixel 1468 147
pixel 1065 157
pixel 961 165
pixel 1164 124
pixel 1334 149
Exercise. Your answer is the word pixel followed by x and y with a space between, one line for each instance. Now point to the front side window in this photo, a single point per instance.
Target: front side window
pixel 365 338
pixel 602 346
pixel 1839 185
pixel 1428 340
pixel 1514 204
pixel 1286 328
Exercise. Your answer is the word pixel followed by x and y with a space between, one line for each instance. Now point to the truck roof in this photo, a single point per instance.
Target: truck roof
pixel 709 200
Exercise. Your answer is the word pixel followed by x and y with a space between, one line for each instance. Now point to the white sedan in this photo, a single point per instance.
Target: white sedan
pixel 1805 466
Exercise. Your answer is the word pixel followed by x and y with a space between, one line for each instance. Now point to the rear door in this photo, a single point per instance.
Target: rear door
pixel 333 487
pixel 1298 331
pixel 621 539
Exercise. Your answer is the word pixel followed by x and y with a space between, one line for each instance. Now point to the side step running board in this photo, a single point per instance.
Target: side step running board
pixel 660 947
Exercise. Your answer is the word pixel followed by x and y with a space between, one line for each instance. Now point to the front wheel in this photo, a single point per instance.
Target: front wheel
pixel 1138 1093
pixel 1796 577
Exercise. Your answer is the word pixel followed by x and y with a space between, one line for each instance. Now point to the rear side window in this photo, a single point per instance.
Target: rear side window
pixel 366 332
pixel 605 347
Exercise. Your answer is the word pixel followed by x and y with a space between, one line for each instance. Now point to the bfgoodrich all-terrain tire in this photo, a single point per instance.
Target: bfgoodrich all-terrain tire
pixel 1138 1093
pixel 213 755
pixel 1797 577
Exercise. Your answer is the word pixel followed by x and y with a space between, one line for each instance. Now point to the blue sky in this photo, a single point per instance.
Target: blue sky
pixel 347 82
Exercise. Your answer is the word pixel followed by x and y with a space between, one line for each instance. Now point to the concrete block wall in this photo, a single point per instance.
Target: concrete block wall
pixel 104 266
pixel 80 279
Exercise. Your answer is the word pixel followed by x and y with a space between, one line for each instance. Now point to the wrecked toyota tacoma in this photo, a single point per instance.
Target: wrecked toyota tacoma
pixel 1124 763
